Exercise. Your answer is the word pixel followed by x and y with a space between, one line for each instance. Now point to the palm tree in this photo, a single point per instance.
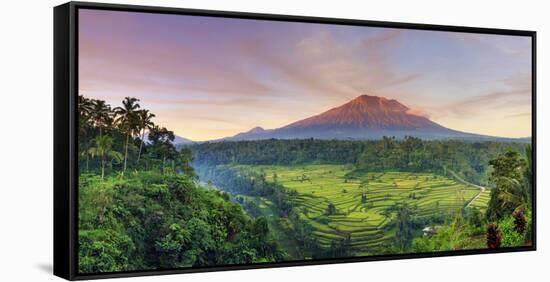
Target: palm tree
pixel 84 105
pixel 104 149
pixel 126 117
pixel 101 115
pixel 84 114
pixel 403 222
pixel 85 152
pixel 515 195
pixel 161 143
pixel 145 120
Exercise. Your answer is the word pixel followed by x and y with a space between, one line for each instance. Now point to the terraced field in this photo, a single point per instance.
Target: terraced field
pixel 482 201
pixel 362 202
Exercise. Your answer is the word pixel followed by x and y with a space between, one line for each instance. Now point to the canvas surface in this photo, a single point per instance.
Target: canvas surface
pixel 214 141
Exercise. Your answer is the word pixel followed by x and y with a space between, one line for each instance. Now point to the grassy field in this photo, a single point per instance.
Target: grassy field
pixel 362 202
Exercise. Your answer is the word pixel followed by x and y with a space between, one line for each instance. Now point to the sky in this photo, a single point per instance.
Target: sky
pixel 207 78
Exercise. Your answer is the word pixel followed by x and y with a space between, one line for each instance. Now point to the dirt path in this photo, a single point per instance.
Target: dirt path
pixel 460 179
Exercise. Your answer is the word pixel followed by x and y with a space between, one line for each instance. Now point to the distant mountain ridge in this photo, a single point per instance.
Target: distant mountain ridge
pixel 365 117
pixel 178 140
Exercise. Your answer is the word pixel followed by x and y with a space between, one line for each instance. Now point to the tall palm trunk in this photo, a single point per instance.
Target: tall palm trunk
pixel 141 144
pixel 126 153
pixel 163 162
pixel 102 166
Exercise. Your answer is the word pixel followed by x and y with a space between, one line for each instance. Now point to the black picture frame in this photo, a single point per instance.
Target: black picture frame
pixel 65 137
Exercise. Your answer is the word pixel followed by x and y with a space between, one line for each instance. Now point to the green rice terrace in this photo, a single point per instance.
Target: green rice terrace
pixel 339 204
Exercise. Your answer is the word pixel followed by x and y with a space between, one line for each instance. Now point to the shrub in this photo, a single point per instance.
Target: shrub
pixel 493 236
pixel 510 236
pixel 519 220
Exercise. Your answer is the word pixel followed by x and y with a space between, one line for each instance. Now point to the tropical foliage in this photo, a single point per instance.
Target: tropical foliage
pixel 145 203
pixel 156 215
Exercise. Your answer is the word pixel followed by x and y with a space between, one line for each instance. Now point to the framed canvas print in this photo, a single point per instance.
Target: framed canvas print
pixel 192 140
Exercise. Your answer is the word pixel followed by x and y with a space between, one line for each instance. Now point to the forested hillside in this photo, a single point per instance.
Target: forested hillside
pixel 151 221
pixel 141 206
pixel 469 159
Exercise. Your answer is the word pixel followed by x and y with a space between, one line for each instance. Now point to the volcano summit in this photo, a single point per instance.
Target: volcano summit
pixel 365 117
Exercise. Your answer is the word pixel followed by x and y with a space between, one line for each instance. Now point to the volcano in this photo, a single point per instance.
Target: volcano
pixel 365 117
pixel 367 113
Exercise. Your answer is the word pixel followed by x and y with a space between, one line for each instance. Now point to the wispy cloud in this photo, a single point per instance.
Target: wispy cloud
pixel 473 105
pixel 220 72
pixel 419 112
pixel 518 115
pixel 506 45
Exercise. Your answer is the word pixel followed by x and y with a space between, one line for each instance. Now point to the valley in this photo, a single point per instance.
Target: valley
pixel 360 209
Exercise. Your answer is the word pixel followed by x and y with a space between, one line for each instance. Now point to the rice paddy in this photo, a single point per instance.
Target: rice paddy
pixel 362 202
